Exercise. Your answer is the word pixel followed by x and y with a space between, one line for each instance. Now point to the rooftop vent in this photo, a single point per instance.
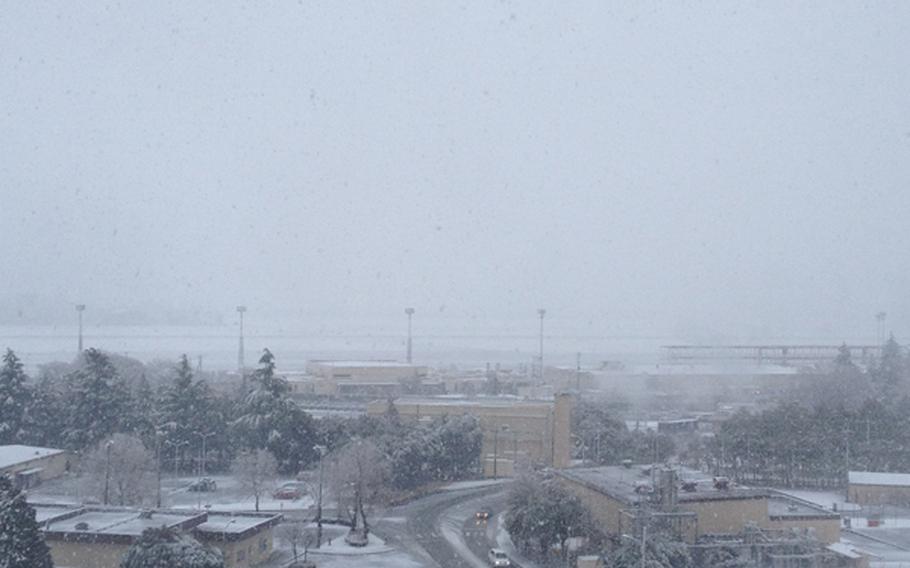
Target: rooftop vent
pixel 145 514
pixel 81 526
pixel 689 486
pixel 721 483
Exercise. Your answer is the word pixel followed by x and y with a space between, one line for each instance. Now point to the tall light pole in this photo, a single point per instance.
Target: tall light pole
pixel 176 446
pixel 240 310
pixel 204 438
pixel 107 470
pixel 321 450
pixel 79 309
pixel 541 312
pixel 410 313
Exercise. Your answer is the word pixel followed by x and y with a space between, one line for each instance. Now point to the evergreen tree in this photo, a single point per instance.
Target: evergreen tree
pixel 14 399
pixel 166 548
pixel 271 420
pixel 21 542
pixel 98 402
pixel 188 408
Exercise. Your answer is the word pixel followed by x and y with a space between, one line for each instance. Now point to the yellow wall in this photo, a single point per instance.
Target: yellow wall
pixel 86 555
pixel 252 554
pixel 879 494
pixel 825 530
pixel 52 466
pixel 725 516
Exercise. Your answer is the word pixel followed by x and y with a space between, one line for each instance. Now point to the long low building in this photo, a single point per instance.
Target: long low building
pixel 689 503
pixel 98 537
pixel 878 488
pixel 28 466
pixel 514 430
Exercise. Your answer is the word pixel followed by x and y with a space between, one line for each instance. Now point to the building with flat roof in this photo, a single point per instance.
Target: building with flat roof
pixel 689 503
pixel 30 465
pixel 514 429
pixel 878 488
pixel 98 537
pixel 364 378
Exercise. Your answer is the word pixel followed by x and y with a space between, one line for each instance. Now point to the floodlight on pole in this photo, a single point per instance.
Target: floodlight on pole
pixel 79 309
pixel 541 312
pixel 410 313
pixel 240 366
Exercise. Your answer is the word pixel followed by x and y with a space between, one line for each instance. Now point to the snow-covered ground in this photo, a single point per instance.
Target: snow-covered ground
pixel 335 553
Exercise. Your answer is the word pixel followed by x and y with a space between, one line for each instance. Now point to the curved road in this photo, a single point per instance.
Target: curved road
pixel 440 528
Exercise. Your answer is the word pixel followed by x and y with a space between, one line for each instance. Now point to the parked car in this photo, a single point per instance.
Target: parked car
pixel 203 485
pixel 498 558
pixel 292 490
pixel 482 515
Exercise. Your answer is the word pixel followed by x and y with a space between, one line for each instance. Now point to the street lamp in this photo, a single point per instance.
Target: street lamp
pixel 107 470
pixel 322 450
pixel 204 438
pixel 176 446
pixel 410 313
pixel 541 312
pixel 79 309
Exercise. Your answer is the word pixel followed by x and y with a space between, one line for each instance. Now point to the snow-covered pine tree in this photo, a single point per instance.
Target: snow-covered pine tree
pixel 21 542
pixel 14 399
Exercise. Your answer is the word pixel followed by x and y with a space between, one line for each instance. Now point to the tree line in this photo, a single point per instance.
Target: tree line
pixel 847 419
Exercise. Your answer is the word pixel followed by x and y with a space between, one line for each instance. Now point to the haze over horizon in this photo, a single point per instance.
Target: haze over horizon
pixel 738 170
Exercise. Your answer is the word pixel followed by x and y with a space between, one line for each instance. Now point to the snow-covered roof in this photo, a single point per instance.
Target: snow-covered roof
pixel 16 454
pixel 844 549
pixel 367 364
pixel 879 478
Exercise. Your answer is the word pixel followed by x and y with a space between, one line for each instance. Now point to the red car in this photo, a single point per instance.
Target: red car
pixel 292 491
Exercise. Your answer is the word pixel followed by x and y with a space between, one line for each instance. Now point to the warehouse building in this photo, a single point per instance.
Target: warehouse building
pixel 877 488
pixel 28 466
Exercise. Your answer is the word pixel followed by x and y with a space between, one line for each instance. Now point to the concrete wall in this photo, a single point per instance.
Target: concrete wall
pixel 826 530
pixel 86 555
pixel 248 552
pixel 728 516
pixel 878 494
pixel 604 509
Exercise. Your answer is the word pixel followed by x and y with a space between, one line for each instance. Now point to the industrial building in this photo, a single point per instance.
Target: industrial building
pixel 515 431
pixel 361 378
pixel 97 537
pixel 690 504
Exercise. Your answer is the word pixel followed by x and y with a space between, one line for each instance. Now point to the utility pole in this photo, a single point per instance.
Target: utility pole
pixel 541 312
pixel 410 313
pixel 847 460
pixel 79 309
pixel 240 366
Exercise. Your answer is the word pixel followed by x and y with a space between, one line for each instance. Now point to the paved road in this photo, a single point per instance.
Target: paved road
pixel 418 527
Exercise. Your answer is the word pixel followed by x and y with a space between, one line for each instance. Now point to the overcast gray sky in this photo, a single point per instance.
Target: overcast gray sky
pixel 694 168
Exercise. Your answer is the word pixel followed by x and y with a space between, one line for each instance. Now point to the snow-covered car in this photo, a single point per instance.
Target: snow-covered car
pixel 498 557
pixel 203 485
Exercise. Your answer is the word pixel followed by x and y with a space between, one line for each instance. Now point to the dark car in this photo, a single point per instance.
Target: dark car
pixel 203 485
pixel 482 515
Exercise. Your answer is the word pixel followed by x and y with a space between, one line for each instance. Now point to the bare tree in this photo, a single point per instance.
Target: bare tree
pixel 256 472
pixel 296 534
pixel 358 480
pixel 119 471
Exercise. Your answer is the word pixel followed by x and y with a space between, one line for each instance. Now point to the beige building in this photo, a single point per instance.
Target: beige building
pixel 364 378
pixel 97 537
pixel 514 430
pixel 876 488
pixel 30 465
pixel 688 504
